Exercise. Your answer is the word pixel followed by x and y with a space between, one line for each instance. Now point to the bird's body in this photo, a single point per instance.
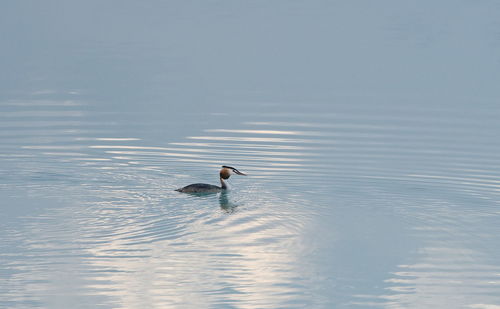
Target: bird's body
pixel 200 188
pixel 224 174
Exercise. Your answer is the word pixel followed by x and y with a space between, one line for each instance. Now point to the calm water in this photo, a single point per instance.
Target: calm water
pixel 369 133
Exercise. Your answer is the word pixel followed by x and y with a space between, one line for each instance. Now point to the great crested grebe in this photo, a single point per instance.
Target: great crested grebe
pixel 224 174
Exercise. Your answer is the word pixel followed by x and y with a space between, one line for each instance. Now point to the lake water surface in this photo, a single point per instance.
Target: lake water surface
pixel 369 133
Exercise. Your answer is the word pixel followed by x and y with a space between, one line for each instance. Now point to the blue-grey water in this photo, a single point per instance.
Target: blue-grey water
pixel 369 132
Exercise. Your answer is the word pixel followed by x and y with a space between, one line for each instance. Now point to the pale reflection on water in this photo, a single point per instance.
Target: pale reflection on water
pixel 137 247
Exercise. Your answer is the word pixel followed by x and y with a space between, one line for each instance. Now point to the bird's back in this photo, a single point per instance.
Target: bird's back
pixel 199 188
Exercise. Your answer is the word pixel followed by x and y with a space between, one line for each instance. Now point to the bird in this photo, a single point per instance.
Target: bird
pixel 225 173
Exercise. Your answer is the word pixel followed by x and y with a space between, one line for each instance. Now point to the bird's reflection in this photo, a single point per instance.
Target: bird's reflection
pixel 225 203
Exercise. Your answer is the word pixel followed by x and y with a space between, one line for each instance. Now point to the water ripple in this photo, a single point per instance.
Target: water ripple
pixel 322 189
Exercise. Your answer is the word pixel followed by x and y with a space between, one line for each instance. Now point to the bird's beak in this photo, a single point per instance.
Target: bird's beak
pixel 239 173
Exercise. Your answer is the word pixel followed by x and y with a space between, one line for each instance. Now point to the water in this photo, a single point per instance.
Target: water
pixel 369 134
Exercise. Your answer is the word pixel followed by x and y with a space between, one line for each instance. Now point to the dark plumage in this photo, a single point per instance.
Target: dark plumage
pixel 200 188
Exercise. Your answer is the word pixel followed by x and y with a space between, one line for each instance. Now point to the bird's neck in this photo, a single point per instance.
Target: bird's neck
pixel 224 185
